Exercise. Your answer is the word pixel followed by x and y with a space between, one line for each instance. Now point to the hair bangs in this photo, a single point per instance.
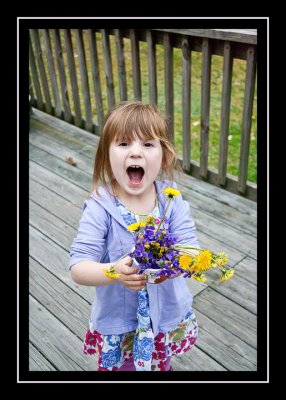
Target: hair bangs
pixel 138 123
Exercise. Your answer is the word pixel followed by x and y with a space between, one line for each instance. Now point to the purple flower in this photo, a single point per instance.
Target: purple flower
pixel 154 249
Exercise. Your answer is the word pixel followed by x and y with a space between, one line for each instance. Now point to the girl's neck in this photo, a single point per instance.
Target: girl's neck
pixel 141 204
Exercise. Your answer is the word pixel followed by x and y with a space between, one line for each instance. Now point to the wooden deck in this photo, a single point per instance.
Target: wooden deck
pixel 59 308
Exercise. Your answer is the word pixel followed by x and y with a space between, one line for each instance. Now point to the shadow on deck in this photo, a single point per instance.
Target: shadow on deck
pixel 59 308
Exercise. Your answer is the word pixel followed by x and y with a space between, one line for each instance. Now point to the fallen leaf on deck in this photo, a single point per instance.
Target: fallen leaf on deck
pixel 70 161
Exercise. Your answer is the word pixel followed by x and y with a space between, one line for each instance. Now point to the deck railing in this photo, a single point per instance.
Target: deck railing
pixel 54 81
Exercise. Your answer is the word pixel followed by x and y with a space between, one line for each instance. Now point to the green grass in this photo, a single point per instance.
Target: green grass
pixel 235 125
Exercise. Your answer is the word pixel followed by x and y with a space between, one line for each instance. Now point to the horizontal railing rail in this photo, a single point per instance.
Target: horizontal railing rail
pixel 66 80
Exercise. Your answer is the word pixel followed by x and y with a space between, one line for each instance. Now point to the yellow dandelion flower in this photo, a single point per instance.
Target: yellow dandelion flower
pixel 195 268
pixel 147 246
pixel 203 261
pixel 199 277
pixel 170 192
pixel 110 273
pixel 134 227
pixel 222 258
pixel 226 274
pixel 149 220
pixel 185 261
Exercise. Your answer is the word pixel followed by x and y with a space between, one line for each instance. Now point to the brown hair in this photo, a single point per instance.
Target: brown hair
pixel 123 122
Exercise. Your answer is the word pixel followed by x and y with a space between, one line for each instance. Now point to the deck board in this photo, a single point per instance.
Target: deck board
pixel 37 362
pixel 56 341
pixel 59 308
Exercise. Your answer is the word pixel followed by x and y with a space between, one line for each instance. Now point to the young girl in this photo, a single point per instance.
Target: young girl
pixel 133 150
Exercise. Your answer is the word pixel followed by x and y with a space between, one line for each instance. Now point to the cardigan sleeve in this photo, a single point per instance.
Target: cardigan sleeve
pixel 181 223
pixel 90 241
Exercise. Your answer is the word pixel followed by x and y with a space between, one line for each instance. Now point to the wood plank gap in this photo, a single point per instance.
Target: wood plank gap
pixel 225 296
pixel 220 240
pixel 56 193
pixel 241 323
pixel 210 356
pixel 79 185
pixel 227 338
pixel 55 215
pixel 64 283
pixel 55 316
pixel 35 349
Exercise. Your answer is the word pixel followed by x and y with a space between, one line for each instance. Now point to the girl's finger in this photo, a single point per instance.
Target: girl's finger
pixel 135 283
pixel 129 270
pixel 136 287
pixel 128 260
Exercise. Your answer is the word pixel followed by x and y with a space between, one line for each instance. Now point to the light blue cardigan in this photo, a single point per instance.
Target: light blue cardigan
pixel 103 237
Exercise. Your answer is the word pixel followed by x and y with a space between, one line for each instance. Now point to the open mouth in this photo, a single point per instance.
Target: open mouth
pixel 135 173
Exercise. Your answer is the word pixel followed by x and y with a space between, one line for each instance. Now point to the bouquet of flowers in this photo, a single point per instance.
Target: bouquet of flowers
pixel 156 248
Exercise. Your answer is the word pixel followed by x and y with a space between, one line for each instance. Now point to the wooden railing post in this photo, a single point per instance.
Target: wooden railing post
pixel 108 68
pixel 84 79
pixel 73 78
pixel 169 83
pixel 96 77
pixel 52 72
pixel 186 99
pixel 205 107
pixel 225 111
pixel 62 75
pixel 246 118
pixel 153 93
pixel 41 66
pixel 121 65
pixel 35 76
pixel 136 74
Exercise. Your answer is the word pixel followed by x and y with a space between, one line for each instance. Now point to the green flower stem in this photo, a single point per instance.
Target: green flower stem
pixel 165 212
pixel 187 252
pixel 114 265
pixel 185 247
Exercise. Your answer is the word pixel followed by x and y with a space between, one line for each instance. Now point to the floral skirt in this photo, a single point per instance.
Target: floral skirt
pixel 116 350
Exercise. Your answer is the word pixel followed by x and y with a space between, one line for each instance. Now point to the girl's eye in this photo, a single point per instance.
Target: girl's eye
pixel 123 144
pixel 148 144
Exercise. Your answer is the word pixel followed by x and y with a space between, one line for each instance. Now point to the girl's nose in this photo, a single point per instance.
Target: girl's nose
pixel 135 150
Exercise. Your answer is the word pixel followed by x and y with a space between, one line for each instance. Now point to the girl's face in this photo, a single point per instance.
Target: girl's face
pixel 135 164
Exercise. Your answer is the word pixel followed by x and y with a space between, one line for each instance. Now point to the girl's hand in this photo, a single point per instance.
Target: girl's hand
pixel 128 276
